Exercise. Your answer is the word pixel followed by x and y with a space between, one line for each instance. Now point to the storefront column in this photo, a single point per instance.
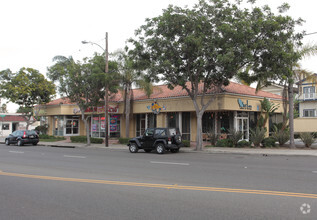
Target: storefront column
pixel 161 120
pixel 216 123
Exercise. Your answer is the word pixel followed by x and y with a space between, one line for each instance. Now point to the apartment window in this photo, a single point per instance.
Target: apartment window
pixel 309 92
pixel 309 113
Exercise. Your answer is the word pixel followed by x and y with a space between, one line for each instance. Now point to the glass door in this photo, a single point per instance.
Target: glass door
pixel 243 127
pixel 72 125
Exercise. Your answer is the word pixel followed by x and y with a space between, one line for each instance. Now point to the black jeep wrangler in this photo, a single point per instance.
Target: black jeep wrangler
pixel 158 139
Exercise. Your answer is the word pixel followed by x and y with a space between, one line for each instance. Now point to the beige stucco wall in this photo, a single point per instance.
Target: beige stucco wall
pixel 305 125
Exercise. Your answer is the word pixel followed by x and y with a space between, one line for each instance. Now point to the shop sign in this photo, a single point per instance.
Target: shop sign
pixel 156 108
pixel 112 109
pixel 243 105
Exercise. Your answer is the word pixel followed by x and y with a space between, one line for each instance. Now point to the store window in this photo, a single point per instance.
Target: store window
pixel 5 126
pixel 58 126
pixel 173 120
pixel 208 122
pixel 140 124
pixel 151 120
pixel 186 126
pixel 98 126
pixel 114 126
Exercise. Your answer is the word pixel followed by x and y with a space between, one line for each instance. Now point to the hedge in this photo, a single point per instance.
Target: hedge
pixel 124 140
pixel 83 139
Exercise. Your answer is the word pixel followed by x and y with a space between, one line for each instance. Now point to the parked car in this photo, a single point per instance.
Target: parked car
pixel 22 137
pixel 158 139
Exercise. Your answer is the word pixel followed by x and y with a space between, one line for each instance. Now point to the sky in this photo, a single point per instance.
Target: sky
pixel 34 31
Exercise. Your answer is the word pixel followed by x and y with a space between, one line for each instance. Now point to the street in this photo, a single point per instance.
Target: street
pixel 76 183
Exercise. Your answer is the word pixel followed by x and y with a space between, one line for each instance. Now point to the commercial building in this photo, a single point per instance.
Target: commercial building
pixel 235 107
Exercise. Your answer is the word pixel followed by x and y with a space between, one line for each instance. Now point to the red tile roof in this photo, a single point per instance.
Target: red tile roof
pixel 13 118
pixel 161 91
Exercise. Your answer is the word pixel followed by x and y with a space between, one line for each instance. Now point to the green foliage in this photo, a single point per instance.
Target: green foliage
pixel 307 138
pixel 50 138
pixel 282 136
pixel 235 136
pixel 83 139
pixel 186 143
pixel 257 136
pixel 243 143
pixel 26 88
pixel 267 108
pixel 269 142
pixel 124 140
pixel 210 43
pixel 224 143
pixel 212 137
pixel 41 129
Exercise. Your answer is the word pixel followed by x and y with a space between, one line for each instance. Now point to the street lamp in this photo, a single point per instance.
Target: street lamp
pixel 106 86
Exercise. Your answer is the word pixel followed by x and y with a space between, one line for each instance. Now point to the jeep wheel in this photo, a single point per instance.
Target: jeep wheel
pixel 175 150
pixel 147 150
pixel 160 149
pixel 7 142
pixel 133 148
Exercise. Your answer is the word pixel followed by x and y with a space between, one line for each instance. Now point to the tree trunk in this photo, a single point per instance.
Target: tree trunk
pixel 291 114
pixel 127 112
pixel 285 102
pixel 87 127
pixel 199 137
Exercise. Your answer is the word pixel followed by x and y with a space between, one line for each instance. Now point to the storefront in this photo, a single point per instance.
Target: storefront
pixel 237 108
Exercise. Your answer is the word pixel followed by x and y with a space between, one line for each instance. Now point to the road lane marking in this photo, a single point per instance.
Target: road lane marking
pixel 71 156
pixel 315 171
pixel 163 186
pixel 170 163
pixel 16 152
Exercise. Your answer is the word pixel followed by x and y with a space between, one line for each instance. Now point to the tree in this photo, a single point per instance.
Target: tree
pixel 26 88
pixel 202 48
pixel 82 83
pixel 129 76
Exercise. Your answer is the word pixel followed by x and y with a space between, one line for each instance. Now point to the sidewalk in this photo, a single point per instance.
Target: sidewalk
pixel 299 151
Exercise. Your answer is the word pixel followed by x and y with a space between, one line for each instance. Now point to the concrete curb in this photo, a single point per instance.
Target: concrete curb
pixel 214 150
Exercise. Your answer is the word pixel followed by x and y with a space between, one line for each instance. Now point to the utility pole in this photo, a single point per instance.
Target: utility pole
pixel 106 94
pixel 106 97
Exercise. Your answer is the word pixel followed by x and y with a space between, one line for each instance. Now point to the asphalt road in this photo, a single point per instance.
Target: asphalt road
pixel 61 183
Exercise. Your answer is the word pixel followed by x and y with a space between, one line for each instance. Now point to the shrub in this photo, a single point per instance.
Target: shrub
pixel 243 143
pixel 235 136
pixel 124 140
pixel 224 143
pixel 307 138
pixel 83 139
pixel 41 129
pixel 50 137
pixel 212 137
pixel 281 136
pixel 257 136
pixel 269 142
pixel 186 143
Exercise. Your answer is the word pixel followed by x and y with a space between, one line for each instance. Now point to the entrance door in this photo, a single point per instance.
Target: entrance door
pixel 243 126
pixel 72 126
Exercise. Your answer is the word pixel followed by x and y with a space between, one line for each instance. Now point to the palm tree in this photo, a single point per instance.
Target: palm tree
pixel 130 77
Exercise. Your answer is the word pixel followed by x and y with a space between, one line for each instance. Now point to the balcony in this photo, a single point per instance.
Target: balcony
pixel 308 96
